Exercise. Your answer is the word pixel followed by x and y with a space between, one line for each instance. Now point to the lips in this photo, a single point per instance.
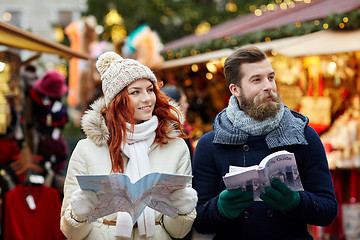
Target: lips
pixel 146 108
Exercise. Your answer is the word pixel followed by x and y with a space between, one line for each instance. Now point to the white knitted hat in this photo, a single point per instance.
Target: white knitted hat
pixel 116 73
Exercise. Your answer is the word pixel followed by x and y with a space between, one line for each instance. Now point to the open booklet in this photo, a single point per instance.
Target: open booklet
pixel 280 165
pixel 116 193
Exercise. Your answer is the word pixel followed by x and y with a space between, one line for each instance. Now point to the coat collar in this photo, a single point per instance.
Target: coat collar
pixel 94 127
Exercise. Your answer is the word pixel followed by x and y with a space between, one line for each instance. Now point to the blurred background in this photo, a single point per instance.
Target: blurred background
pixel 313 45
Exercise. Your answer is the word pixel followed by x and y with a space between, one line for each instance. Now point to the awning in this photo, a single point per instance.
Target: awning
pixel 205 57
pixel 302 12
pixel 318 43
pixel 15 37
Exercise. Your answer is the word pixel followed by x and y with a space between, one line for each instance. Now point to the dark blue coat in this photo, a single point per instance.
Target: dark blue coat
pixel 318 205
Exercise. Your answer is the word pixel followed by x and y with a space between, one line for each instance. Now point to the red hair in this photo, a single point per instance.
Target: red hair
pixel 121 110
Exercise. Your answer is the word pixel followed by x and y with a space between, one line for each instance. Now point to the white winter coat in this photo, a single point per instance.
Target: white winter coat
pixel 91 156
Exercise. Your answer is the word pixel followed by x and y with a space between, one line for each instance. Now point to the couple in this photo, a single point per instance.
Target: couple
pixel 135 116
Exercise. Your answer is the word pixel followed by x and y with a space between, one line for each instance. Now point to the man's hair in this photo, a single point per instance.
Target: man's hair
pixel 232 66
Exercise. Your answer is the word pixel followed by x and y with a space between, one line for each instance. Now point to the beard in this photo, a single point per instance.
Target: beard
pixel 260 109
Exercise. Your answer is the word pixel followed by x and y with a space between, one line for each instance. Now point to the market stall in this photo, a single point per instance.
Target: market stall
pixel 18 160
pixel 318 75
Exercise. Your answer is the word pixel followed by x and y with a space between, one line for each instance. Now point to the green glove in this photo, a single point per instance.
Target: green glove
pixel 231 203
pixel 280 197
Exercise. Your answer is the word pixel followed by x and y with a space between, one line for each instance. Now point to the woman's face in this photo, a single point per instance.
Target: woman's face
pixel 142 96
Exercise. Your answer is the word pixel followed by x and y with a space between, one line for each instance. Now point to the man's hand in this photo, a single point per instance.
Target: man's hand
pixel 231 203
pixel 280 197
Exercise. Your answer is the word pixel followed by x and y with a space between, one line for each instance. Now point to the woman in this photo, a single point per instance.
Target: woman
pixel 132 130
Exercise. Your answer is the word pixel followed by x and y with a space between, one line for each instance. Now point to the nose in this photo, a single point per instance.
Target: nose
pixel 267 86
pixel 146 97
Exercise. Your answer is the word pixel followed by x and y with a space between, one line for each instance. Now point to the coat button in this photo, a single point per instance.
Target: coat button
pixel 246 214
pixel 269 213
pixel 246 148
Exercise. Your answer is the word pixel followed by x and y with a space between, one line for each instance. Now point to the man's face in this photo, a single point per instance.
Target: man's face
pixel 257 95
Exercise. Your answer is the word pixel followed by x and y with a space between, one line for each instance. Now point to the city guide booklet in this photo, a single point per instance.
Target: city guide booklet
pixel 116 193
pixel 280 165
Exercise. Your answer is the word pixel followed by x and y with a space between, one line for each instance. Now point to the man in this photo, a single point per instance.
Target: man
pixel 255 124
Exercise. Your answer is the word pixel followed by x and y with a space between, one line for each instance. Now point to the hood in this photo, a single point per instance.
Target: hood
pixel 94 127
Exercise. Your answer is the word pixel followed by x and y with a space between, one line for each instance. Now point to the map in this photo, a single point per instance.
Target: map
pixel 116 193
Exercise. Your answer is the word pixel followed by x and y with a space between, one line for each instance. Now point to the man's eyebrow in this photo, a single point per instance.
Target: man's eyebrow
pixel 255 75
pixel 258 75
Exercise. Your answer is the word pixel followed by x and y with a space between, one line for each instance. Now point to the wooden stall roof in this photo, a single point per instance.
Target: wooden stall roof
pixel 15 37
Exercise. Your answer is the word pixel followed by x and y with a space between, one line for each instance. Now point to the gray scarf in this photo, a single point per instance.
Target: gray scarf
pixel 286 128
pixel 247 124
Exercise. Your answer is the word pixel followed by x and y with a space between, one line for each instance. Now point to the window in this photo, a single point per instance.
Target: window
pixel 65 18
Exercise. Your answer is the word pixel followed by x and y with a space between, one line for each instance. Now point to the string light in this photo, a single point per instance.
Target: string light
pixel 113 17
pixel 170 52
pixel 231 7
pixel 193 52
pixel 194 67
pixel 59 34
pixel 211 67
pixel 283 6
pixel 258 12
pixel 202 28
pixel 209 76
pixel 7 16
pixel 118 33
pixel 2 66
pixel 187 27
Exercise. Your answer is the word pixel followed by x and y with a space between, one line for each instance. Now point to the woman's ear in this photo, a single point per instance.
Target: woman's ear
pixel 235 90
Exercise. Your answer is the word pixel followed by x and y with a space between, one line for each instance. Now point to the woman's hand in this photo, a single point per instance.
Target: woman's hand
pixel 82 203
pixel 184 200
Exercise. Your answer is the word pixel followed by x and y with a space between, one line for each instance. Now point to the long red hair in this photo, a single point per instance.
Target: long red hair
pixel 121 110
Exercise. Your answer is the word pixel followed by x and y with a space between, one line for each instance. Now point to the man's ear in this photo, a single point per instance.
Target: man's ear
pixel 235 90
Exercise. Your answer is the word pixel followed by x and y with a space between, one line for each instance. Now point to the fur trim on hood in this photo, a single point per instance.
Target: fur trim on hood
pixel 94 127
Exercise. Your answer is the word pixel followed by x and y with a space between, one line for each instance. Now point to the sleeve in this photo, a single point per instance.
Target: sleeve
pixel 318 204
pixel 206 182
pixel 178 227
pixel 77 165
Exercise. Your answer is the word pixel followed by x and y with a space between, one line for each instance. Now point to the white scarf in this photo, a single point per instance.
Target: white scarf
pixel 136 149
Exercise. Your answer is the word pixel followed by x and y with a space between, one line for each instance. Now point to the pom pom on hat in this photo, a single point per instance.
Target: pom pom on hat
pixel 117 73
pixel 104 61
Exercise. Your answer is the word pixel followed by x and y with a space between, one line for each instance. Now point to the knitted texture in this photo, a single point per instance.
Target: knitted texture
pixel 290 130
pixel 231 203
pixel 117 73
pixel 247 124
pixel 280 197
